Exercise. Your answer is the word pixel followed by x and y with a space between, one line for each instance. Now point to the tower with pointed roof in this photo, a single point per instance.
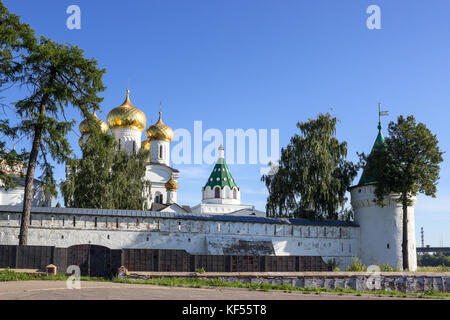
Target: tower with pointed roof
pixel 381 227
pixel 221 195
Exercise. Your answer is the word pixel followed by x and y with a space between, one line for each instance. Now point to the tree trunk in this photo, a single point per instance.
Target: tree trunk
pixel 29 178
pixel 405 235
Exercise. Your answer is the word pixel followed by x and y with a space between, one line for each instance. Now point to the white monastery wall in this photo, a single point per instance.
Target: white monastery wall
pixel 329 242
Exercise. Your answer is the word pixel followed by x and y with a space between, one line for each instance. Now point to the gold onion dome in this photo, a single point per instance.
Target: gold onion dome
pixel 159 131
pixel 145 145
pixel 86 129
pixel 171 185
pixel 127 116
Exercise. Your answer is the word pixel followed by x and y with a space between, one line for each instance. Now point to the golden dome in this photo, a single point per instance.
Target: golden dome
pixel 127 116
pixel 171 185
pixel 84 125
pixel 159 131
pixel 145 145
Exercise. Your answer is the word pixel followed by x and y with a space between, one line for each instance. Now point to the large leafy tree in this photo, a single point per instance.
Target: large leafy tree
pixel 313 174
pixel 87 183
pixel 106 178
pixel 407 164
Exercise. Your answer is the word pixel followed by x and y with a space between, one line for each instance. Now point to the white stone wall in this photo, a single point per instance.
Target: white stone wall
pixel 382 228
pixel 331 242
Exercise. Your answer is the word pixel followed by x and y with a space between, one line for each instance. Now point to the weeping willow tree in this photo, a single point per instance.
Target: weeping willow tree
pixel 312 175
pixel 105 178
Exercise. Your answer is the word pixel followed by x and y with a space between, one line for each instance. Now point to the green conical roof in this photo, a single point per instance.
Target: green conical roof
pixel 221 175
pixel 367 177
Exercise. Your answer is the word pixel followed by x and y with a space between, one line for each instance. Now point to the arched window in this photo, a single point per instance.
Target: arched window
pixel 217 192
pixel 119 144
pixel 160 152
pixel 234 193
pixel 159 198
pixel 134 147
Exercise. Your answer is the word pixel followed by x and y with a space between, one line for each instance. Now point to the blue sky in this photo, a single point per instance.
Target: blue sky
pixel 266 65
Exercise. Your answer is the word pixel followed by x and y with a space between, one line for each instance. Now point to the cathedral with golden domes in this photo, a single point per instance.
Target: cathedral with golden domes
pixel 127 123
pixel 220 195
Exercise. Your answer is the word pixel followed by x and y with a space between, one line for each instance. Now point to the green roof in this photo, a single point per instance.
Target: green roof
pixel 367 177
pixel 220 176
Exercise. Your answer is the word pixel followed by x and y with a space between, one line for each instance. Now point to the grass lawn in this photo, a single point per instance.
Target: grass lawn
pixel 10 275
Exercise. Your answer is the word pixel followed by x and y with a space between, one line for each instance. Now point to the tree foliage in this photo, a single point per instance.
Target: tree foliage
pixel 407 164
pixel 15 38
pixel 313 174
pixel 105 178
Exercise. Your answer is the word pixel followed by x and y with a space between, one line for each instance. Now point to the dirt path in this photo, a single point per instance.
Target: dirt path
pixel 57 290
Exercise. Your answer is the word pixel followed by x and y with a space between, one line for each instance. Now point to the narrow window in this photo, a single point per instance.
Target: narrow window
pixel 106 222
pixel 8 220
pixel 217 192
pixel 95 222
pixel 161 199
pixel 234 193
pixel 159 226
pixel 117 222
pixel 120 142
pixel 137 222
pixel 134 147
pixel 63 222
pixel 274 229
pixel 387 246
pixel 31 220
pixel 179 226
pixel 74 222
pixel 108 237
pixel 340 232
pixel 62 237
pixel 218 227
pixel 160 152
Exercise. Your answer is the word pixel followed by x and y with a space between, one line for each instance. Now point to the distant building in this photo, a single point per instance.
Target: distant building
pixel 14 196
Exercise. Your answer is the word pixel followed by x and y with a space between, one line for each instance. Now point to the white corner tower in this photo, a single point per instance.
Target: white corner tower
pixel 381 227
pixel 127 123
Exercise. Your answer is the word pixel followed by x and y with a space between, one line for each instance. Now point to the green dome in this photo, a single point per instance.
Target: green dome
pixel 220 176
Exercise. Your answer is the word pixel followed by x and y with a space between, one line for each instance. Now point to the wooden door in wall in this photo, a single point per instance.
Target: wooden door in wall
pixel 93 260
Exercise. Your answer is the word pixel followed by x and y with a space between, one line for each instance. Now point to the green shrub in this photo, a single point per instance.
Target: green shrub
pixel 356 265
pixel 200 270
pixel 387 268
pixel 333 263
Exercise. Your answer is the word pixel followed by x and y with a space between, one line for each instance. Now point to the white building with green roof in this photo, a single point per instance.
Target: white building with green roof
pixel 221 195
